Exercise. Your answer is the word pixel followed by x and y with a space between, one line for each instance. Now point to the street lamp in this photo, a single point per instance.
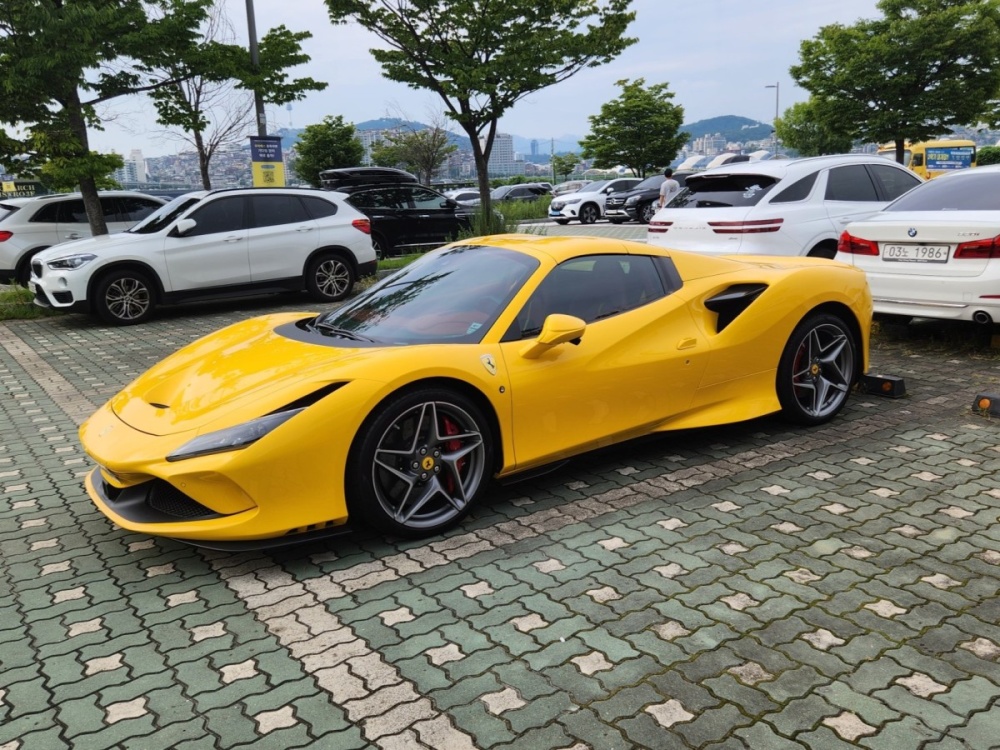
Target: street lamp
pixel 258 100
pixel 777 88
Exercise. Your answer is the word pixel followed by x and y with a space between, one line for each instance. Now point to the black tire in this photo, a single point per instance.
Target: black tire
pixel 23 271
pixel 589 213
pixel 817 369
pixel 646 211
pixel 826 250
pixel 380 246
pixel 561 222
pixel 329 278
pixel 419 463
pixel 124 298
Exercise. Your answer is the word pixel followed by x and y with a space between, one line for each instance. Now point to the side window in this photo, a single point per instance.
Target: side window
pixel 222 215
pixel 423 198
pixel 850 183
pixel 109 206
pixel 592 288
pixel 381 198
pixel 797 191
pixel 47 214
pixel 319 208
pixel 272 210
pixel 136 209
pixel 72 212
pixel 894 181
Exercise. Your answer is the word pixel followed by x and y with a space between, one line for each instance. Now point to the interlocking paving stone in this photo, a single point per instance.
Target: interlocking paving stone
pixel 712 550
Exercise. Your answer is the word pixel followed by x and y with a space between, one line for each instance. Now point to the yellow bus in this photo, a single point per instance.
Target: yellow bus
pixel 932 158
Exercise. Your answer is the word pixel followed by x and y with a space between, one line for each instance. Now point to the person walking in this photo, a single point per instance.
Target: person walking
pixel 669 188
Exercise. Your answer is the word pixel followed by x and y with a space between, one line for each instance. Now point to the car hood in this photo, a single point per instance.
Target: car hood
pixel 248 367
pixel 97 245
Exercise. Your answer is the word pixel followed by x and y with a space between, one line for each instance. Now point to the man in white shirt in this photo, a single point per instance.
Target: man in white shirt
pixel 669 188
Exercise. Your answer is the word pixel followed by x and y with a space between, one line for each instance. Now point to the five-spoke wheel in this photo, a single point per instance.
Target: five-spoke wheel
pixel 420 463
pixel 817 369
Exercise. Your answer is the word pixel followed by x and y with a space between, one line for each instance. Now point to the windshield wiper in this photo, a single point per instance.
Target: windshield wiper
pixel 331 330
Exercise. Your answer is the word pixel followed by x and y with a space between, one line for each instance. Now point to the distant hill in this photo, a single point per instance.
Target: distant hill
pixel 730 127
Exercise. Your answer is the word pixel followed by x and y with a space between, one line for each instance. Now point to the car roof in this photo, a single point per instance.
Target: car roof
pixel 33 199
pixel 334 179
pixel 785 167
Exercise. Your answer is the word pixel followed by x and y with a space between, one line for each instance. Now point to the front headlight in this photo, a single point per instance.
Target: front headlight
pixel 70 262
pixel 232 438
pixel 632 201
pixel 571 201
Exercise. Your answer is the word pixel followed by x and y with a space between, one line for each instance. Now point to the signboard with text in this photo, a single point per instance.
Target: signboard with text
pixel 265 157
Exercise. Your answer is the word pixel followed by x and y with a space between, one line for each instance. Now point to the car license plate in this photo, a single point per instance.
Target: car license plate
pixel 916 253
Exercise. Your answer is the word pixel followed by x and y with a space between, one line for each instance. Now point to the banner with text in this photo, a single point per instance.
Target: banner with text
pixel 265 158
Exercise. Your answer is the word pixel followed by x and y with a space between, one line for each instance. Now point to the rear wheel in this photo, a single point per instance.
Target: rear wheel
pixel 329 278
pixel 826 250
pixel 380 246
pixel 124 298
pixel 23 271
pixel 816 370
pixel 589 213
pixel 420 463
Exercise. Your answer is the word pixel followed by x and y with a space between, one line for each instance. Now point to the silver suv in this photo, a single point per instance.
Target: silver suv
pixel 28 225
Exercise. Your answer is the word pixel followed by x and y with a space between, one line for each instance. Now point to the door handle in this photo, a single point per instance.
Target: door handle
pixel 232 239
pixel 304 229
pixel 73 236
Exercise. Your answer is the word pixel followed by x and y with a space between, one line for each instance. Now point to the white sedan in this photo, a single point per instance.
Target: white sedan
pixel 934 252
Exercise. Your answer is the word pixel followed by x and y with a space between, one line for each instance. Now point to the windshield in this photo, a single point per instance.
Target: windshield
pixel 451 295
pixel 593 187
pixel 723 191
pixel 164 215
pixel 650 182
pixel 972 191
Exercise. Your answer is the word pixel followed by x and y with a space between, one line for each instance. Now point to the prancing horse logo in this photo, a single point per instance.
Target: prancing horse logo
pixel 489 363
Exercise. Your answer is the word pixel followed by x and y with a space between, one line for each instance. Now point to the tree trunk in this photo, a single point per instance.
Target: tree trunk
pixel 203 160
pixel 901 151
pixel 88 184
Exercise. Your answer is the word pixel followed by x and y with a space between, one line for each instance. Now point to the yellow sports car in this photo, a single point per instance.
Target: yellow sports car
pixel 485 358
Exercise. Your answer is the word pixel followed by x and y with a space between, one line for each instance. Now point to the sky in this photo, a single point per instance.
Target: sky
pixel 717 57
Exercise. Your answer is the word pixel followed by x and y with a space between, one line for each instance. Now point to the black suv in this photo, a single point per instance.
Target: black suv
pixel 639 203
pixel 405 215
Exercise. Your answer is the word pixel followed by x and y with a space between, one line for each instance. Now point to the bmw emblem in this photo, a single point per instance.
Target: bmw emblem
pixel 912 231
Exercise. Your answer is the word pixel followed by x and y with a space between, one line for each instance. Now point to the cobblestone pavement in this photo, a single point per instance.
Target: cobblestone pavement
pixel 755 586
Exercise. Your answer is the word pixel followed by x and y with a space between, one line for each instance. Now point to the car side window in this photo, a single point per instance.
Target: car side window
pixel 136 209
pixel 850 183
pixel 797 191
pixel 71 212
pixel 109 207
pixel 592 288
pixel 423 198
pixel 48 214
pixel 319 208
pixel 380 198
pixel 273 210
pixel 221 215
pixel 894 181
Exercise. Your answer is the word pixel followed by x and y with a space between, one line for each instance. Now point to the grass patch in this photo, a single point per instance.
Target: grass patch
pixel 397 261
pixel 16 304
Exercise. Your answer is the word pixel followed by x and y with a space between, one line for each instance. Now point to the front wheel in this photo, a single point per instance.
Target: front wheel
pixel 124 298
pixel 647 211
pixel 816 370
pixel 419 463
pixel 329 278
pixel 589 214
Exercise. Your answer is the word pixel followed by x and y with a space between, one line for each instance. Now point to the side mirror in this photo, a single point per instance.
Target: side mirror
pixel 184 226
pixel 557 329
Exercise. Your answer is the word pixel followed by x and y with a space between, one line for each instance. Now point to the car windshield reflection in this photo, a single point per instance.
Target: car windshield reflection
pixel 451 295
pixel 162 217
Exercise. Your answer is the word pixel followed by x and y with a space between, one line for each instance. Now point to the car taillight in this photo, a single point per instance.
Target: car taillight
pixel 363 225
pixel 978 249
pixel 659 227
pixel 4 236
pixel 855 245
pixel 746 227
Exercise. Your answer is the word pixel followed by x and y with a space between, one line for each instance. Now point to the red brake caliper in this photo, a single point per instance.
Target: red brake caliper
pixel 451 428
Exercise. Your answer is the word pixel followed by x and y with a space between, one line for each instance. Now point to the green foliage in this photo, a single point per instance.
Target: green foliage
pixel 481 56
pixel 924 67
pixel 988 155
pixel 641 129
pixel 802 130
pixel 17 303
pixel 327 145
pixel 563 165
pixel 419 151
pixel 61 174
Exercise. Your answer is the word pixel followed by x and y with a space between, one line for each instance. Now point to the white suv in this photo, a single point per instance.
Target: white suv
pixel 220 243
pixel 587 203
pixel 778 207
pixel 28 225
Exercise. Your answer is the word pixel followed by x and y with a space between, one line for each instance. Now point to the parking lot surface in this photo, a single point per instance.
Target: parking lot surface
pixel 753 586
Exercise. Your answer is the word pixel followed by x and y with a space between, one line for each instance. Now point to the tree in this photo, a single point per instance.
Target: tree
pixel 801 129
pixel 327 145
pixel 210 108
pixel 564 164
pixel 421 151
pixel 925 67
pixel 988 155
pixel 482 56
pixel 639 130
pixel 59 59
